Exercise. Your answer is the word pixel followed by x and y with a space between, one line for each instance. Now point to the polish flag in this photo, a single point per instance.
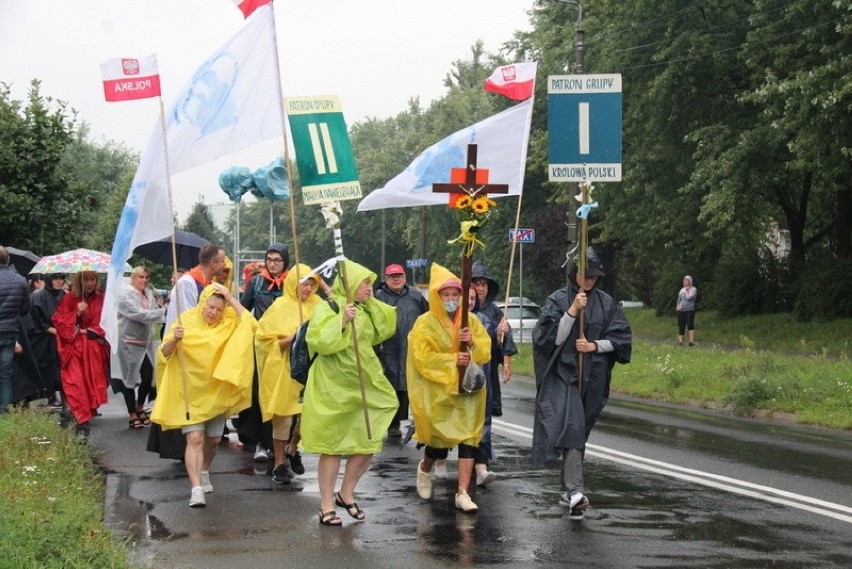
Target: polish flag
pixel 249 6
pixel 126 78
pixel 515 81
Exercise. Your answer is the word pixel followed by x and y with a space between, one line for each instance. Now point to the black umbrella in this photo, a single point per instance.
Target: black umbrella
pixel 187 246
pixel 22 260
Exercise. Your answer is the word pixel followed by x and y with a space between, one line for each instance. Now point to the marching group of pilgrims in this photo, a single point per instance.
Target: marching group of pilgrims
pixel 378 348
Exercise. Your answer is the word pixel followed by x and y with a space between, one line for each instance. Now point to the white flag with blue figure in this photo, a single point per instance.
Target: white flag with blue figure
pixel 502 140
pixel 231 102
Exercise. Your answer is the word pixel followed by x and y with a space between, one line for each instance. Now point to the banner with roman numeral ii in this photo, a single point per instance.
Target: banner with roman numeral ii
pixel 323 151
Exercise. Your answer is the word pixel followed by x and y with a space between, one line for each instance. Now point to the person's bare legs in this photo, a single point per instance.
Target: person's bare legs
pixel 295 436
pixel 692 336
pixel 356 466
pixel 279 446
pixel 465 473
pixel 327 471
pixel 193 456
pixel 427 464
pixel 211 445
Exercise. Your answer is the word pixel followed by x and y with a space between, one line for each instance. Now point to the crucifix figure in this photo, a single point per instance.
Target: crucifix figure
pixel 472 182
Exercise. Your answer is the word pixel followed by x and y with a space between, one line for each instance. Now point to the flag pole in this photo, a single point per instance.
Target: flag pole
pixel 287 165
pixel 174 250
pixel 512 265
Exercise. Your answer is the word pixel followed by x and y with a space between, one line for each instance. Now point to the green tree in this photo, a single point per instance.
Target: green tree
pixel 201 223
pixel 40 210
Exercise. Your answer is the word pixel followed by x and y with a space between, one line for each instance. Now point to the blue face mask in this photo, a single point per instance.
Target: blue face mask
pixel 451 305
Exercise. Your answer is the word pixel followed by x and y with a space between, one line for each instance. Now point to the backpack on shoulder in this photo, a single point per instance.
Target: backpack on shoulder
pixel 300 356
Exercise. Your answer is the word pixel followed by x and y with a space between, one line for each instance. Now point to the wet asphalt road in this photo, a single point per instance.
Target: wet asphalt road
pixel 669 487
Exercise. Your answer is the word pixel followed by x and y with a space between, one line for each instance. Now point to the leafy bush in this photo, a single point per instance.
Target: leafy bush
pixel 829 298
pixel 749 282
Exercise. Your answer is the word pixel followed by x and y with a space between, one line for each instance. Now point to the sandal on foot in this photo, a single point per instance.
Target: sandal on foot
pixel 135 423
pixel 352 509
pixel 330 518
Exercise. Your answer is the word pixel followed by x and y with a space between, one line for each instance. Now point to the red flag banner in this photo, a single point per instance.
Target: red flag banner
pixel 249 6
pixel 126 78
pixel 515 81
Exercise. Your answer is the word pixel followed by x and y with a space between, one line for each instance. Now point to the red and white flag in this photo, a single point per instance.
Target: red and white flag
pixel 515 81
pixel 249 6
pixel 127 78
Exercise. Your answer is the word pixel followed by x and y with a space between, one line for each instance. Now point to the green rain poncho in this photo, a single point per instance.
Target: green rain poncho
pixel 443 417
pixel 333 417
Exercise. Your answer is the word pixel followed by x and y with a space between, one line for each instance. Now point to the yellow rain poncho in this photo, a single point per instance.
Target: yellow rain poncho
pixel 227 276
pixel 333 418
pixel 218 361
pixel 279 393
pixel 443 417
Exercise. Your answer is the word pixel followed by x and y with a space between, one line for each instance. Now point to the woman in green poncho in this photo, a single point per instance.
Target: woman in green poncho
pixel 333 416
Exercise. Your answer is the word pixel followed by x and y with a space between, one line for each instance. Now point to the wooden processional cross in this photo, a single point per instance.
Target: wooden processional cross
pixel 471 181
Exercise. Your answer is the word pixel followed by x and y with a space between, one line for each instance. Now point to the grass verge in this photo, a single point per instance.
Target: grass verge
pixel 51 499
pixel 781 366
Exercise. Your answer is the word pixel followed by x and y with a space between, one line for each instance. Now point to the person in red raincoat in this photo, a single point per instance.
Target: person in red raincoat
pixel 83 350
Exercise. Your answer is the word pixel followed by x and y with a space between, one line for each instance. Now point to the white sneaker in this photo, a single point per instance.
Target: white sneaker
pixel 260 453
pixel 424 483
pixel 440 470
pixel 205 481
pixel 485 478
pixel 465 504
pixel 196 499
pixel 577 502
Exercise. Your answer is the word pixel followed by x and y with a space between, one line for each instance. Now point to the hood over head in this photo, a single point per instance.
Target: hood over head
pixel 355 275
pixel 479 271
pixel 594 266
pixel 282 250
pixel 291 282
pixel 439 278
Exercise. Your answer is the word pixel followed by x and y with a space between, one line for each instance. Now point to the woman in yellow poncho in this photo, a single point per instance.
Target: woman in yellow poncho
pixel 279 393
pixel 443 417
pixel 210 350
pixel 333 417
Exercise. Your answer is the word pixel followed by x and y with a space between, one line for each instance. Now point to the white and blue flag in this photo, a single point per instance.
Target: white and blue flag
pixel 231 102
pixel 502 140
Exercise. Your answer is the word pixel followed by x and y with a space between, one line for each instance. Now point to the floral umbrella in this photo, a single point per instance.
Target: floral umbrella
pixel 75 261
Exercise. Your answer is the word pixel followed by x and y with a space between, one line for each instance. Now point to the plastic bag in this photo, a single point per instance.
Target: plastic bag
pixel 300 358
pixel 474 378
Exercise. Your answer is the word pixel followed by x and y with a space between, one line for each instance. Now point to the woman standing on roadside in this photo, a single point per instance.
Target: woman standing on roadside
pixel 686 311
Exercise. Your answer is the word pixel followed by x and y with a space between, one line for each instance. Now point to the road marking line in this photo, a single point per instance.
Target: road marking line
pixel 725 483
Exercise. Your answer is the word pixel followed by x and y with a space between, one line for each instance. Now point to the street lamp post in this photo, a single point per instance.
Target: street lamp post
pixel 579 67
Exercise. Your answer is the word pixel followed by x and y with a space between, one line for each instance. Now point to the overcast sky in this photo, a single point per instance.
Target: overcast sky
pixel 374 54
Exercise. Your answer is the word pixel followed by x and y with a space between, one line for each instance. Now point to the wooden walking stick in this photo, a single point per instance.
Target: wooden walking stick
pixel 583 215
pixel 468 189
pixel 332 212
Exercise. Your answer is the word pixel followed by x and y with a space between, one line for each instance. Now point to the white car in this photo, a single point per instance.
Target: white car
pixel 522 315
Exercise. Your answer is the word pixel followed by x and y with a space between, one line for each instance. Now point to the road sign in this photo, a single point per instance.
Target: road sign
pixel 584 128
pixel 323 152
pixel 522 235
pixel 416 263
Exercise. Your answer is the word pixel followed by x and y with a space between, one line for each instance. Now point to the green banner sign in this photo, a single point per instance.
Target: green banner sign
pixel 323 152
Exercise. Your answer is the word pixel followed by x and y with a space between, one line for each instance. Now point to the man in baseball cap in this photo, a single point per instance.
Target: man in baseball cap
pixel 409 305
